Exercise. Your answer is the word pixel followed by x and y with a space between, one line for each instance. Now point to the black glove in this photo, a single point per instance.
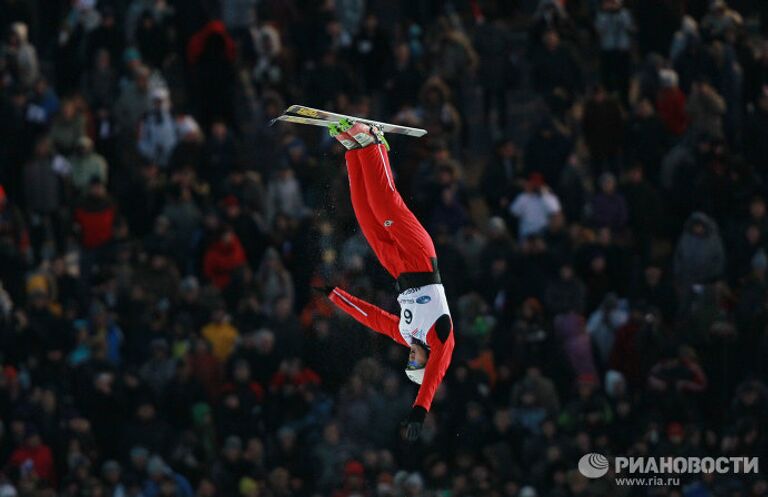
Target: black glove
pixel 413 423
pixel 325 290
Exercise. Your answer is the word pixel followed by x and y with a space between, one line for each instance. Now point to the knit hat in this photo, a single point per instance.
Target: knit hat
pixel 527 491
pixel 248 486
pixel 353 468
pixel 668 78
pixel 200 412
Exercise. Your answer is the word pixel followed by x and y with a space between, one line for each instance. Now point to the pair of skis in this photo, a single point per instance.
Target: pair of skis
pixel 300 114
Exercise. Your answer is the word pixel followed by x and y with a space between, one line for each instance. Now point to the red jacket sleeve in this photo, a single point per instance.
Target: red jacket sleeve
pixel 368 315
pixel 439 359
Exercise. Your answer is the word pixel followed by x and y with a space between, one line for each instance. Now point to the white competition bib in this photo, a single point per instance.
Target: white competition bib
pixel 419 309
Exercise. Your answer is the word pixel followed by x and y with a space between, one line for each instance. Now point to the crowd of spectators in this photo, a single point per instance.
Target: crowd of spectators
pixel 594 179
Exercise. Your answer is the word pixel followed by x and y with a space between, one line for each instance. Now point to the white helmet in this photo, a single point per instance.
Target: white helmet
pixel 415 375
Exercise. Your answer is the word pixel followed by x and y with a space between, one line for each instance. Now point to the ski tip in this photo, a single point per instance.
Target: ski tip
pixel 272 121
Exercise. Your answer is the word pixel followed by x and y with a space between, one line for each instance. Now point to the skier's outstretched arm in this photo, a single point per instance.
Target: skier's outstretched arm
pixel 368 314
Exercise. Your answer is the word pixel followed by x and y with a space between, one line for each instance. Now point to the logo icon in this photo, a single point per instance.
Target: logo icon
pixel 593 465
pixel 388 223
pixel 308 112
pixel 423 299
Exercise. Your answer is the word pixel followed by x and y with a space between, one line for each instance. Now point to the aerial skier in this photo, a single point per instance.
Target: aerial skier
pixel 406 251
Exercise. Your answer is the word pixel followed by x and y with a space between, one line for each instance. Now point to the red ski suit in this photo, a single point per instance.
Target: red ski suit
pixel 402 245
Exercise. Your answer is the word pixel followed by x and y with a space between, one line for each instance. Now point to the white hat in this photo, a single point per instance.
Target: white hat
pixel 7 490
pixel 668 78
pixel 160 93
pixel 527 491
pixel 21 30
pixel 187 125
pixel 414 480
pixel 415 375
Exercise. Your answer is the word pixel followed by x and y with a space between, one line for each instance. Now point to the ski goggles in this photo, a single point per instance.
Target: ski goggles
pixel 414 365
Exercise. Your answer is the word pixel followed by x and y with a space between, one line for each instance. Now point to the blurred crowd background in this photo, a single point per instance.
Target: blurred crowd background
pixel 594 179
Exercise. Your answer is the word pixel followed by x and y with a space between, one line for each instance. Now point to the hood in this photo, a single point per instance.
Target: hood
pixel 710 227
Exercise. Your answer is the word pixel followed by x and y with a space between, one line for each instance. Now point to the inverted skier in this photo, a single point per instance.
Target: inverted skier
pixel 406 251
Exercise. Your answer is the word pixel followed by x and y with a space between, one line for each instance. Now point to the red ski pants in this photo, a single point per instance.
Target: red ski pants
pixel 400 242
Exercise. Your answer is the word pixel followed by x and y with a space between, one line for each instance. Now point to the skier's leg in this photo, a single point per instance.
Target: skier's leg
pixel 378 237
pixel 415 245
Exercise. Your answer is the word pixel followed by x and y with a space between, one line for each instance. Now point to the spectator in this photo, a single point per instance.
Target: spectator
pixel 603 324
pixel 567 293
pixel 371 53
pixel 24 55
pixel 755 137
pixel 158 133
pixel 437 111
pixel 721 21
pixel 686 39
pixel 671 103
pixel 95 216
pixel 158 371
pixel 284 196
pixel 223 257
pixel 42 190
pixel 87 165
pixel 706 109
pixel 496 71
pixel 134 101
pixel 100 82
pixel 615 27
pixel 221 334
pixel 603 124
pixel 699 257
pixel 151 40
pixel 274 279
pixel 403 80
pixel 607 208
pixel 68 128
pixel 675 379
pixel 572 334
pixel 534 206
pixel 554 66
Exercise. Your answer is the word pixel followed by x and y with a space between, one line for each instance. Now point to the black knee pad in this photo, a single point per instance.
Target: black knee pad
pixel 443 327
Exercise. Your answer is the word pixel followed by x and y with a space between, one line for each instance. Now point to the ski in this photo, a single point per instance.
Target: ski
pixel 300 114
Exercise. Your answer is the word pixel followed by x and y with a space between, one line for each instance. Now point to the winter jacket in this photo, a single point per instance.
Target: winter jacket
pixel 670 104
pixel 66 134
pixel 96 216
pixel 158 137
pixel 85 168
pixel 570 332
pixel 41 187
pixel 221 259
pixel 41 458
pixel 615 29
pixel 699 259
pixel 533 209
pixel 608 211
pixel 706 111
pixel 222 337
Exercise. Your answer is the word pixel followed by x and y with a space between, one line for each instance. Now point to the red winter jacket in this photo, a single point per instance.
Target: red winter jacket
pixel 670 105
pixel 96 218
pixel 221 258
pixel 377 319
pixel 196 44
pixel 40 459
